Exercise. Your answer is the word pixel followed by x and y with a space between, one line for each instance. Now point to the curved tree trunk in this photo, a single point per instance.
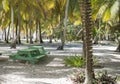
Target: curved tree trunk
pixel 8 33
pixel 63 31
pixel 13 44
pixel 85 8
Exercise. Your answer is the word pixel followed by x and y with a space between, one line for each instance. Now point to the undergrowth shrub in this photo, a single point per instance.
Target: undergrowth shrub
pixel 100 78
pixel 75 61
pixel 105 78
pixel 78 61
pixel 78 78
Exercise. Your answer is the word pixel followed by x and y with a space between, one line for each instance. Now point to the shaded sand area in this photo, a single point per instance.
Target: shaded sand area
pixel 51 70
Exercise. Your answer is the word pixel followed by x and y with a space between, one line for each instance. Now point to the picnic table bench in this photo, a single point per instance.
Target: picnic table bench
pixel 40 48
pixel 31 54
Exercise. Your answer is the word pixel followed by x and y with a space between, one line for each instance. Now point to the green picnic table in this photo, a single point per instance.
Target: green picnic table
pixel 40 48
pixel 30 54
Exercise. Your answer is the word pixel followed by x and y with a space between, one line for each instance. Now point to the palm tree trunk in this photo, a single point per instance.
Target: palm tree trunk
pixel 19 24
pixel 63 31
pixel 61 46
pixel 13 44
pixel 51 37
pixel 40 34
pixel 5 35
pixel 26 33
pixel 8 33
pixel 12 22
pixel 87 41
pixel 36 31
pixel 19 31
pixel 31 42
pixel 83 25
pixel 31 37
pixel 16 31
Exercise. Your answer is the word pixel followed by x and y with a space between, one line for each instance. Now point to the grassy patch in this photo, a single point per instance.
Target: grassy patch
pixel 78 61
pixel 75 61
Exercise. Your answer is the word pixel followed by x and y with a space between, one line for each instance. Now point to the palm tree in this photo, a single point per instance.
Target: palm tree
pixel 108 11
pixel 65 21
pixel 60 12
pixel 8 5
pixel 5 21
pixel 86 11
pixel 118 48
pixel 64 13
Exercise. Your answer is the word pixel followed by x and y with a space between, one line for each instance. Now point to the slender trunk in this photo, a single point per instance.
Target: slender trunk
pixel 51 37
pixel 61 46
pixel 36 31
pixel 2 34
pixel 96 37
pixel 19 31
pixel 5 35
pixel 87 25
pixel 16 32
pixel 40 35
pixel 8 33
pixel 13 44
pixel 26 33
pixel 63 31
pixel 83 25
pixel 65 20
pixel 12 22
pixel 31 37
pixel 19 24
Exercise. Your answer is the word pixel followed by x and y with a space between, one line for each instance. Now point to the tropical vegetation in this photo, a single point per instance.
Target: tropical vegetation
pixel 64 20
pixel 75 61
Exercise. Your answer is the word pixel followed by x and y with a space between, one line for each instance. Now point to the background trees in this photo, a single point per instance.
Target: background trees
pixel 61 19
pixel 51 17
pixel 108 14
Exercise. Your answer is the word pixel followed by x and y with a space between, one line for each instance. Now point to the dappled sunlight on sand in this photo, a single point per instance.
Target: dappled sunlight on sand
pixel 17 78
pixel 52 70
pixel 55 62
